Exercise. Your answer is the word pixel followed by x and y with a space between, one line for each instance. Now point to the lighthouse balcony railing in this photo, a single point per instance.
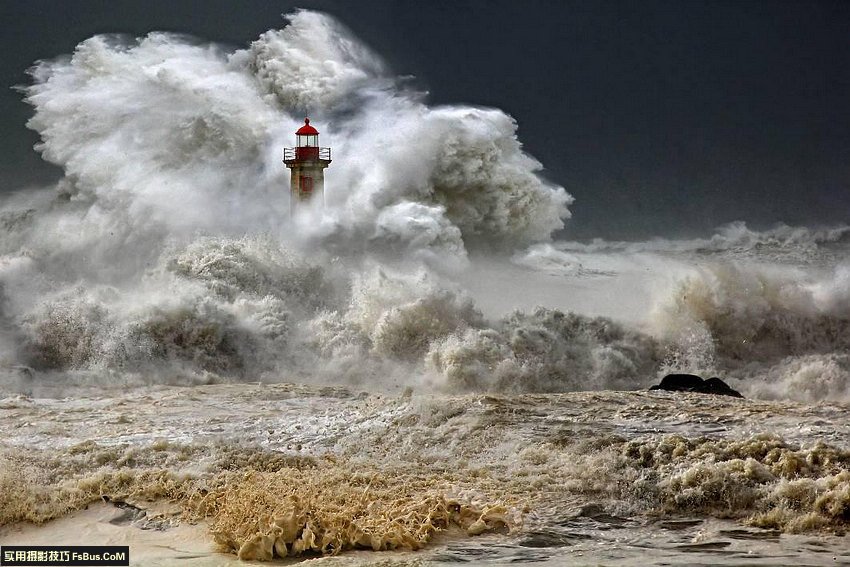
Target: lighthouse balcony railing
pixel 307 153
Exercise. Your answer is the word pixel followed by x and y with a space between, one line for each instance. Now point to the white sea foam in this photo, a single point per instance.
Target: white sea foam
pixel 167 250
pixel 164 135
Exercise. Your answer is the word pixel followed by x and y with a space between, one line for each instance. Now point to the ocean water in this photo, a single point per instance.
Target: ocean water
pixel 575 478
pixel 419 372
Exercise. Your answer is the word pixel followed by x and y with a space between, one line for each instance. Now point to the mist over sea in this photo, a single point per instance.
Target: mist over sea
pixel 419 362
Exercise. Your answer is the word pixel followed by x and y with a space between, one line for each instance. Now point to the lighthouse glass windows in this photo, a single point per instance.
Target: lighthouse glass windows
pixel 308 140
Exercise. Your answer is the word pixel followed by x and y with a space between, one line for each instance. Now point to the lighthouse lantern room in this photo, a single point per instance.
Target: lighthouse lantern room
pixel 306 162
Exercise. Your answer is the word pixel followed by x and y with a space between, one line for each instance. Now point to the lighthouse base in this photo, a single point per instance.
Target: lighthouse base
pixel 307 182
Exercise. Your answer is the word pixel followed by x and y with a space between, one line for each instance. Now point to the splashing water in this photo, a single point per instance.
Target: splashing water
pixel 167 256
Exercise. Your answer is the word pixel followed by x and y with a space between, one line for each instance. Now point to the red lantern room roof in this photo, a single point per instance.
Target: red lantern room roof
pixel 307 130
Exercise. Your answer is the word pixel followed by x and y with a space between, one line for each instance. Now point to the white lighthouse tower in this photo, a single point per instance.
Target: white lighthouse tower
pixel 307 162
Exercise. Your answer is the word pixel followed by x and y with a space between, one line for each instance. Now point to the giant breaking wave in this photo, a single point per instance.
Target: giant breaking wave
pixel 167 253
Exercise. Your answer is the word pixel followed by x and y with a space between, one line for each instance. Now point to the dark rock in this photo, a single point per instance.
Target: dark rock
pixel 717 386
pixel 693 383
pixel 680 383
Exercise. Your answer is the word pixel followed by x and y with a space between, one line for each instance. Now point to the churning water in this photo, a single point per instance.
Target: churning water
pixel 466 383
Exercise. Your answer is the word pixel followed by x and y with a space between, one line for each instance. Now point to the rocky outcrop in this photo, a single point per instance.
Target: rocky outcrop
pixel 693 383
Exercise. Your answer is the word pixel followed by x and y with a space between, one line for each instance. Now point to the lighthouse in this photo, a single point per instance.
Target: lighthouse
pixel 307 163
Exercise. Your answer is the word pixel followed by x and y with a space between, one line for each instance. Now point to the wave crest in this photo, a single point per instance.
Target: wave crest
pixel 547 351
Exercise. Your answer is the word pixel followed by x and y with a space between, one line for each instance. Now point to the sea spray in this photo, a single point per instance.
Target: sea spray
pixel 171 133
pixel 166 253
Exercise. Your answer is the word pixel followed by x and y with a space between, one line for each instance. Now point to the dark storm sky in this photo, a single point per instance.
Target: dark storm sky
pixel 661 118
